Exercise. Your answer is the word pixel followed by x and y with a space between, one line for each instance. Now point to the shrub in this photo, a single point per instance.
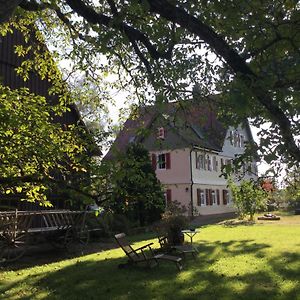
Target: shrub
pixel 172 222
pixel 248 198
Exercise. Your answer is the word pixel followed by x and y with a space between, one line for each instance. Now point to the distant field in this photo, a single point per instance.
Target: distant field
pixel 260 261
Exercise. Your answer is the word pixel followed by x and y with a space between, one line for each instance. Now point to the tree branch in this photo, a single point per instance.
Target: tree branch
pixel 178 15
pixel 90 15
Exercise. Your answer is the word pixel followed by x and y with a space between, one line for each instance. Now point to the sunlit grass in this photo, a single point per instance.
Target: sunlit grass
pixel 260 261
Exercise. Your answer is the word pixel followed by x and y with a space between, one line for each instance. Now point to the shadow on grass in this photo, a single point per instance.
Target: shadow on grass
pixel 44 253
pixel 97 277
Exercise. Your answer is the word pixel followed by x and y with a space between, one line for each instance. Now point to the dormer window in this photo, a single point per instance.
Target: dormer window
pixel 236 139
pixel 161 133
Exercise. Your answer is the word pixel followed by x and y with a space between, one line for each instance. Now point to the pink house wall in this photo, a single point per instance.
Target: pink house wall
pixel 181 193
pixel 179 172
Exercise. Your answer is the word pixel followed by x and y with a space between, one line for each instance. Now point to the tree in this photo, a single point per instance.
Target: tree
pixel 135 190
pixel 37 154
pixel 292 190
pixel 248 198
pixel 164 48
pixel 40 149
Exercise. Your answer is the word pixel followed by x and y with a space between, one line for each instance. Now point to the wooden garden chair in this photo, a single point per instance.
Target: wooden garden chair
pixel 182 249
pixel 144 254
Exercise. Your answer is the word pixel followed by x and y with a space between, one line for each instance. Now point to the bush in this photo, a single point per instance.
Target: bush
pixel 248 198
pixel 172 222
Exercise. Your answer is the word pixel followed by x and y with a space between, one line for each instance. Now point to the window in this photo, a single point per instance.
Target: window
pixel 200 161
pixel 160 133
pixel 200 197
pixel 218 197
pixel 132 139
pixel 215 163
pixel 197 161
pixel 231 137
pixel 161 161
pixel 209 164
pixel 236 139
pixel 226 199
pixel 213 197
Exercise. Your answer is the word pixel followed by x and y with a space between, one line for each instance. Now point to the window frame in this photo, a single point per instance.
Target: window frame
pixel 201 197
pixel 159 162
pixel 213 197
pixel 209 163
pixel 161 133
pixel 200 161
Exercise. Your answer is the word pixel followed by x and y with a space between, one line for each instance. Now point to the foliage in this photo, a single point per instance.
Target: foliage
pixel 40 155
pixel 247 51
pixel 135 190
pixel 248 198
pixel 172 222
pixel 109 224
pixel 292 190
pixel 35 151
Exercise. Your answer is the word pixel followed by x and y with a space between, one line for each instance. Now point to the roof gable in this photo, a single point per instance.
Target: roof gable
pixel 187 124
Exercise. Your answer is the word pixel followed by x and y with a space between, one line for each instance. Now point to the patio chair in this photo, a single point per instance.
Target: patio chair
pixel 182 249
pixel 144 254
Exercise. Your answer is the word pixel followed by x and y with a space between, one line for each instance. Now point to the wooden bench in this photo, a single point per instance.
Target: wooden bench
pixel 174 259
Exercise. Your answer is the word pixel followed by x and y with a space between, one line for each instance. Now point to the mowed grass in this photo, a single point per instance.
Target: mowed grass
pixel 260 261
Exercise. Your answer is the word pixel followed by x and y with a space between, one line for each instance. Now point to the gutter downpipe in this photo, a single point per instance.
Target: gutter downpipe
pixel 192 183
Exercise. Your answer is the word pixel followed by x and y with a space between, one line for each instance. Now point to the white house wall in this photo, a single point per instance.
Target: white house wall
pixel 184 176
pixel 204 209
pixel 229 151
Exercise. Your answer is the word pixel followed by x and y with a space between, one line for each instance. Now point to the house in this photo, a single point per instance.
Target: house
pixel 188 148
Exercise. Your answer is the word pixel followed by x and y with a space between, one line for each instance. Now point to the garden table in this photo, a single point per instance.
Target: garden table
pixel 191 233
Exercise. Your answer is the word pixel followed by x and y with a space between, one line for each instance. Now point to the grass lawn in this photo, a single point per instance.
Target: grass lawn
pixel 260 261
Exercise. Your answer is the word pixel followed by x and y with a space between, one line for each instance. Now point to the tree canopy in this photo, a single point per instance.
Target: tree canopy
pixel 163 50
pixel 248 198
pixel 134 189
pixel 164 46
